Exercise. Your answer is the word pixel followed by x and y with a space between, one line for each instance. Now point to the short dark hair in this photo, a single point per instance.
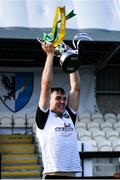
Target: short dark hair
pixel 58 89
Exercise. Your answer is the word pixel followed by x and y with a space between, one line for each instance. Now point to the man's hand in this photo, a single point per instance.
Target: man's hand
pixel 48 48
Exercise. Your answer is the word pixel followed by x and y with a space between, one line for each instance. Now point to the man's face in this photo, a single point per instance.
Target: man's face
pixel 58 102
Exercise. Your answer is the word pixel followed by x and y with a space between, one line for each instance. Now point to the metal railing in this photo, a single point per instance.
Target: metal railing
pixel 0 166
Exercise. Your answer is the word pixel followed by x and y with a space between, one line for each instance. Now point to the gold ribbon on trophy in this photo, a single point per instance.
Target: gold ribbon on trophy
pixel 61 36
pixel 53 37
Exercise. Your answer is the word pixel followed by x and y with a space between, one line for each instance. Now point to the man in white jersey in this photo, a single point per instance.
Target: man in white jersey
pixel 55 119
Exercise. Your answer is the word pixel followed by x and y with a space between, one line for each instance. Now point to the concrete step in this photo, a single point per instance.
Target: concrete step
pixel 19 156
pixel 15 136
pixel 21 174
pixel 21 167
pixel 16 141
pixel 17 146
pixel 18 161
pixel 17 151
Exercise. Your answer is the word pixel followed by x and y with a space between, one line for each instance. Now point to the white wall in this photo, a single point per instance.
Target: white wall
pixel 87 96
pixel 100 14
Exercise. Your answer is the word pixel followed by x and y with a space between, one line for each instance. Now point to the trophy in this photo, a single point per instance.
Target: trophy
pixel 69 59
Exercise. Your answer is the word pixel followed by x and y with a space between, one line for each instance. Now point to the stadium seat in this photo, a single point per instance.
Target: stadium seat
pixel 112 135
pixel 19 121
pixel 84 117
pixel 97 117
pixel 106 126
pixel 94 145
pixel 116 145
pixel 104 145
pixel 93 126
pixel 111 120
pixel 116 126
pixel 84 135
pixel 30 120
pixel 98 120
pixel 118 117
pixel 6 121
pixel 90 145
pixel 110 117
pixel 98 135
pixel 85 120
pixel 80 125
pixel 20 125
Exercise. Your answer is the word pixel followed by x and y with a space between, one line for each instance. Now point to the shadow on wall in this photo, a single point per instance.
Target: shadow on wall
pixel 108 103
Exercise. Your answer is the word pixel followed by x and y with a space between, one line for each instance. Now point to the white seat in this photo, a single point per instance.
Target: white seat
pixel 94 145
pixel 85 120
pixel 105 145
pixel 6 121
pixel 116 145
pixel 92 126
pixel 98 120
pixel 80 125
pixel 98 135
pixel 111 120
pixel 19 121
pixel 106 126
pixel 97 117
pixel 84 117
pixel 110 116
pixel 116 126
pixel 118 116
pixel 30 120
pixel 112 135
pixel 90 145
pixel 84 135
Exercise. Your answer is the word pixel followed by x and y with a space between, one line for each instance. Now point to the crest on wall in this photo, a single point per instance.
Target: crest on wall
pixel 16 89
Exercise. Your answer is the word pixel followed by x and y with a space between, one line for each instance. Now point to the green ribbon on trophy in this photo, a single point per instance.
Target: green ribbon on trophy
pixel 53 37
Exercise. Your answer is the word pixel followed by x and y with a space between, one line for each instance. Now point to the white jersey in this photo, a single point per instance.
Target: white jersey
pixel 58 142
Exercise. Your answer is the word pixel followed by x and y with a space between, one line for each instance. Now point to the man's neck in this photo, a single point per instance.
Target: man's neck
pixel 57 114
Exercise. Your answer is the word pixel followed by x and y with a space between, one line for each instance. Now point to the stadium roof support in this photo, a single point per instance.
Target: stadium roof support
pixel 19 47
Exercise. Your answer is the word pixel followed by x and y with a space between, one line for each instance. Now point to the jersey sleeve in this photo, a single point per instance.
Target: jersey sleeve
pixel 41 117
pixel 72 114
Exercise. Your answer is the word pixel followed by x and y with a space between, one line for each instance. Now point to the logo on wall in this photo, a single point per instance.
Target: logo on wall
pixel 16 89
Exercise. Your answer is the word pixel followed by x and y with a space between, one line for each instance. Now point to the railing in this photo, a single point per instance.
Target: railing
pixel 85 178
pixel 99 154
pixel 0 166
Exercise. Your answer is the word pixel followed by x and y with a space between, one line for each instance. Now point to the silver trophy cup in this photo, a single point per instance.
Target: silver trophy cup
pixel 69 60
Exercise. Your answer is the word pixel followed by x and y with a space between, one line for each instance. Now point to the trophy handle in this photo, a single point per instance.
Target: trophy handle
pixel 39 40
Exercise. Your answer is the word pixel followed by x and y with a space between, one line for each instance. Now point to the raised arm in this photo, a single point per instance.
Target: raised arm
pixel 47 77
pixel 74 95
